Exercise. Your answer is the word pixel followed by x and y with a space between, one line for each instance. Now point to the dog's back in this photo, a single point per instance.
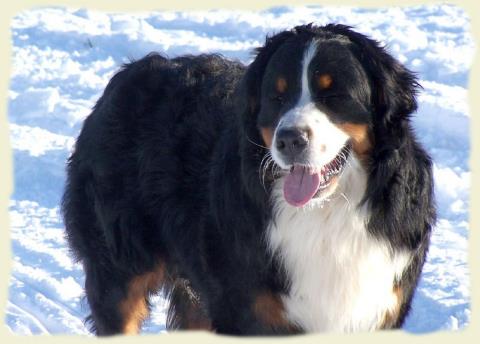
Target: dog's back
pixel 146 145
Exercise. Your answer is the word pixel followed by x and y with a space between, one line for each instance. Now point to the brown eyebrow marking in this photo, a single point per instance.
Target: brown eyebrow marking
pixel 324 81
pixel 281 84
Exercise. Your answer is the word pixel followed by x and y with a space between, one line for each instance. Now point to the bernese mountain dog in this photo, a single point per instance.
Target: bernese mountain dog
pixel 286 196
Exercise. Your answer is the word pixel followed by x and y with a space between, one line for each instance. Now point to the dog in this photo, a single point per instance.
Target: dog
pixel 287 196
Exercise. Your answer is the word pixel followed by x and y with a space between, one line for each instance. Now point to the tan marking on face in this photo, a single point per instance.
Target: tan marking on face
pixel 361 142
pixel 269 309
pixel 267 136
pixel 281 85
pixel 134 307
pixel 324 81
pixel 390 317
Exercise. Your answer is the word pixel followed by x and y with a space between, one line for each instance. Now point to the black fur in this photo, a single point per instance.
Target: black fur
pixel 165 171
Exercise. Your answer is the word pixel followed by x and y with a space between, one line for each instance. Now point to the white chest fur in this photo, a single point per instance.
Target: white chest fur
pixel 341 278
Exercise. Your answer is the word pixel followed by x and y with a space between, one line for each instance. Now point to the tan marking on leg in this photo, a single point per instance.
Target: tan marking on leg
pixel 281 84
pixel 390 317
pixel 134 307
pixel 361 142
pixel 267 136
pixel 196 319
pixel 269 309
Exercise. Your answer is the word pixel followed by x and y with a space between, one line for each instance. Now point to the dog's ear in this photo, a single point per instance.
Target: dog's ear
pixel 394 87
pixel 400 184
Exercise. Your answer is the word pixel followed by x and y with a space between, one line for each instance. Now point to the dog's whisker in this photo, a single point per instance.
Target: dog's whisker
pixel 346 198
pixel 265 158
pixel 269 162
pixel 273 167
pixel 256 144
pixel 261 173
pixel 266 161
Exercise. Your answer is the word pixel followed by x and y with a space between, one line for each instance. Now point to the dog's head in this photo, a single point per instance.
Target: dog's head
pixel 318 95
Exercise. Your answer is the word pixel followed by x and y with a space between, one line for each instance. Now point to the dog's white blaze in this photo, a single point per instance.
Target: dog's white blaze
pixel 341 278
pixel 327 139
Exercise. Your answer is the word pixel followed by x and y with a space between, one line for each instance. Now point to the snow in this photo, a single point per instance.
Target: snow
pixel 63 59
pixel 38 141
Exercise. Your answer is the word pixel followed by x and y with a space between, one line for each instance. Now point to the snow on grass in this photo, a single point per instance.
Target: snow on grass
pixel 448 97
pixel 63 58
pixel 32 105
pixel 443 295
pixel 46 287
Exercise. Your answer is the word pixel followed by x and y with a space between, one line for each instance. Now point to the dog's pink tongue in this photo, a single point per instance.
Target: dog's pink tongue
pixel 300 186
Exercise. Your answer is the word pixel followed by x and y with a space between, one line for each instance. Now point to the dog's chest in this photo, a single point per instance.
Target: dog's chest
pixel 341 278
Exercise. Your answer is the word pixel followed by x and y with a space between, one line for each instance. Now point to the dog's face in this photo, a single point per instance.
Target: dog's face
pixel 315 110
pixel 319 97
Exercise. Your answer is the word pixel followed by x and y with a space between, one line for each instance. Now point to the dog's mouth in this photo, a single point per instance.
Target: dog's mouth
pixel 303 182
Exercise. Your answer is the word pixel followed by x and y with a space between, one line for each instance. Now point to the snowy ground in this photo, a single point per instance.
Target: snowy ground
pixel 63 58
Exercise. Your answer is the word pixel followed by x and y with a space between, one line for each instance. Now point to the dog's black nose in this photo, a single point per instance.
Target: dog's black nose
pixel 291 142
